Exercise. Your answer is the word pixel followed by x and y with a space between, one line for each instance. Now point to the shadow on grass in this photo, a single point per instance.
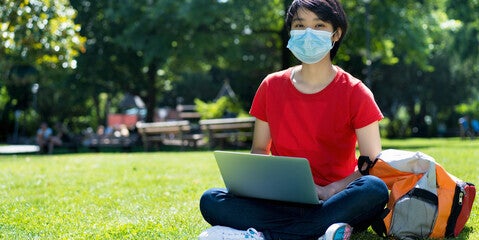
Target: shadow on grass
pixel 366 235
pixel 139 148
pixel 465 233
pixel 371 235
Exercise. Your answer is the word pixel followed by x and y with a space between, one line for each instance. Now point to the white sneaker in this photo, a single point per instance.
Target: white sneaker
pixel 338 231
pixel 227 233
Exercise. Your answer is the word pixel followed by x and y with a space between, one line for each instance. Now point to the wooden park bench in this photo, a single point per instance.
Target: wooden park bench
pixel 187 112
pixel 223 129
pixel 161 132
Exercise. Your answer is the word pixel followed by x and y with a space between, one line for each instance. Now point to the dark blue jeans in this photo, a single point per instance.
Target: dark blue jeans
pixel 358 205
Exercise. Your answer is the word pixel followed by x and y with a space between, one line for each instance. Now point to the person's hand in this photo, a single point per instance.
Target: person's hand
pixel 325 192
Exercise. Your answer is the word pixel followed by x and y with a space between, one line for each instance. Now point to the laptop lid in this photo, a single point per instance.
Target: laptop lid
pixel 268 177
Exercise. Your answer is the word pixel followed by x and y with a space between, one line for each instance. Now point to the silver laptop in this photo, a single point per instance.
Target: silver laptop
pixel 268 177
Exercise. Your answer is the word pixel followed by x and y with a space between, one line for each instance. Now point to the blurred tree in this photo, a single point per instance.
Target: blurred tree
pixel 463 51
pixel 408 57
pixel 36 38
pixel 235 41
pixel 106 70
pixel 39 33
pixel 176 37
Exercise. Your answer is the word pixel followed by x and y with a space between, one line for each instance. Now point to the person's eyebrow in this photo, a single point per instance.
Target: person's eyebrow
pixel 296 19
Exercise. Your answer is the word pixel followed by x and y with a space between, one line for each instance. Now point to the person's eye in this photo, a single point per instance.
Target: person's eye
pixel 298 26
pixel 319 26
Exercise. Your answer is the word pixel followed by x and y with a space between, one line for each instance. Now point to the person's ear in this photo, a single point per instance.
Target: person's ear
pixel 337 34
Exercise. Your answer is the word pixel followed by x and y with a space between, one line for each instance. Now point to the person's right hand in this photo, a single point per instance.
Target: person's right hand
pixel 324 193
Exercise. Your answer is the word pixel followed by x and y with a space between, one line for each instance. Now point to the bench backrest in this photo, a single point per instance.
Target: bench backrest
pixel 227 123
pixel 163 127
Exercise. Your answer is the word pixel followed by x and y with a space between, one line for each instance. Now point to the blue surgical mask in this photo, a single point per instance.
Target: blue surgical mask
pixel 310 46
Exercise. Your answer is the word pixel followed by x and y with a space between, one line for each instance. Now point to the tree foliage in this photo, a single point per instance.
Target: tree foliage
pixel 38 39
pixel 40 33
pixel 412 55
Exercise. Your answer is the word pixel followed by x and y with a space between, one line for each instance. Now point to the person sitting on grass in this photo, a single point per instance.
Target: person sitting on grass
pixel 62 136
pixel 44 134
pixel 318 111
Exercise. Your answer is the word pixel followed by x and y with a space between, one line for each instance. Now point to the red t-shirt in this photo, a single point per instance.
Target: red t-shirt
pixel 320 126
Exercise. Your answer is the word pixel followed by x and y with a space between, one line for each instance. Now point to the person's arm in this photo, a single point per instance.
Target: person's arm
pixel 369 142
pixel 261 138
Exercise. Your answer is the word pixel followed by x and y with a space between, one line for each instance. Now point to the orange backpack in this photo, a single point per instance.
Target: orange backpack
pixel 425 201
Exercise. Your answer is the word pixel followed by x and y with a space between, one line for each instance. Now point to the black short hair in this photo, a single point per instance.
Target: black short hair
pixel 329 11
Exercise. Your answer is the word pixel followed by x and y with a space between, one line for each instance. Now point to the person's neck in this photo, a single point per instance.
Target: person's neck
pixel 319 73
pixel 312 78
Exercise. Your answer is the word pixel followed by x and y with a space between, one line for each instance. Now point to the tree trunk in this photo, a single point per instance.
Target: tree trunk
pixel 96 102
pixel 151 92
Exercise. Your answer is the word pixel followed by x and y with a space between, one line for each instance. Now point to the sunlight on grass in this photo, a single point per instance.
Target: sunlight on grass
pixel 104 196
pixel 147 195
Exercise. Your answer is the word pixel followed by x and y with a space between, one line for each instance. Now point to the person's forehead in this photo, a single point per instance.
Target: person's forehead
pixel 305 14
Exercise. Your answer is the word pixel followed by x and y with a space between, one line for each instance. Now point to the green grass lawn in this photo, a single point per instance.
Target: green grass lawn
pixel 148 195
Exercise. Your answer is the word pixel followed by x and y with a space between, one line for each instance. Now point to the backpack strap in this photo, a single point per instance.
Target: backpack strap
pixel 378 226
pixel 369 164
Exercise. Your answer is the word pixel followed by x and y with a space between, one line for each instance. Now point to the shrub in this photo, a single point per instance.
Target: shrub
pixel 223 107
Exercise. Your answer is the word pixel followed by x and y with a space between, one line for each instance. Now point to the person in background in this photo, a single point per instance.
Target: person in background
pixel 475 127
pixel 44 134
pixel 318 111
pixel 61 136
pixel 465 127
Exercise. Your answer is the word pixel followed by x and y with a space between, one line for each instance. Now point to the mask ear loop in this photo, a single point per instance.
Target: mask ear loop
pixel 332 34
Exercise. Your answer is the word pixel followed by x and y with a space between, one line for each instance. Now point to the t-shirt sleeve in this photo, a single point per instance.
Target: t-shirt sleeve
pixel 364 108
pixel 258 107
